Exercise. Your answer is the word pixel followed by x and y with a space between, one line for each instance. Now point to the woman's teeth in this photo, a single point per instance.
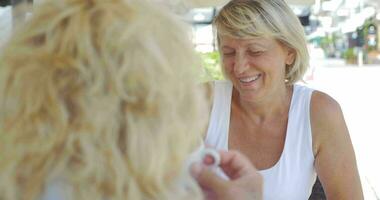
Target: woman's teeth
pixel 249 79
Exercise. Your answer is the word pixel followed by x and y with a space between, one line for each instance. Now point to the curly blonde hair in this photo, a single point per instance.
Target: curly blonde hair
pixel 102 95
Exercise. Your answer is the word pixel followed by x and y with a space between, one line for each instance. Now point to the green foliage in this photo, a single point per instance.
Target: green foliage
pixel 211 64
pixel 349 54
pixel 327 44
pixel 327 40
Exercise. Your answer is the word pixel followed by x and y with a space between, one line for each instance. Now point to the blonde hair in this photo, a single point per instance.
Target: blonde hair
pixel 103 95
pixel 262 18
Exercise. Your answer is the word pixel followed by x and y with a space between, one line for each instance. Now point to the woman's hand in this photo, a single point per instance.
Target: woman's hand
pixel 244 180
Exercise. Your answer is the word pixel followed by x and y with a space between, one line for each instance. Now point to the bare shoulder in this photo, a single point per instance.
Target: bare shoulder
pixel 327 121
pixel 324 107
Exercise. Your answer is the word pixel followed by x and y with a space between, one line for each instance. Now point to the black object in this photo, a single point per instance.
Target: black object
pixel 304 20
pixel 4 3
pixel 318 193
pixel 360 40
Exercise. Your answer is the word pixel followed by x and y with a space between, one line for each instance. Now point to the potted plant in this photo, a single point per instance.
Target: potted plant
pixel 350 56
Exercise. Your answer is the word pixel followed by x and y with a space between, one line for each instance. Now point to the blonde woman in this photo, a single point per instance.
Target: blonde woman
pixel 289 132
pixel 87 106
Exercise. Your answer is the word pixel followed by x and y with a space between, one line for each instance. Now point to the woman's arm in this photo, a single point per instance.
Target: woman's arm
pixel 335 161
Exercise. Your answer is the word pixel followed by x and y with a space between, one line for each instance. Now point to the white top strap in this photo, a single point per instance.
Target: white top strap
pixel 217 133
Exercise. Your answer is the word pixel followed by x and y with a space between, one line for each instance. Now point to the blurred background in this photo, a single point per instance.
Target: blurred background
pixel 343 39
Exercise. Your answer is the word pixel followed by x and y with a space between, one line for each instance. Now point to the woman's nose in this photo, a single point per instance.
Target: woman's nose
pixel 241 64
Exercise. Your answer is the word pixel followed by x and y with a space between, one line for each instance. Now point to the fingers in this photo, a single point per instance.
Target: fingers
pixel 235 165
pixel 207 178
pixel 243 182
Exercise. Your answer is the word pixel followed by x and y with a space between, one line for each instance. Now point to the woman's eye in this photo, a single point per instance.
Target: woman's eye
pixel 229 53
pixel 255 53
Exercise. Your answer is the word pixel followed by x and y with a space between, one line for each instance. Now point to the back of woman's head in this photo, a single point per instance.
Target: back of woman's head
pixel 263 18
pixel 101 95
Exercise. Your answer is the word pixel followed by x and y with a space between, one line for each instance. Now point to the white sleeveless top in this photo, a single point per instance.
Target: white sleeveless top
pixel 293 176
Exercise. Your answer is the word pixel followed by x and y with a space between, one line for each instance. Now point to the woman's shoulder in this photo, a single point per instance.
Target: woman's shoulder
pixel 327 121
pixel 320 102
pixel 323 106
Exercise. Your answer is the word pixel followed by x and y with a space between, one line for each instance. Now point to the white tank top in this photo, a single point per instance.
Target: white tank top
pixel 293 176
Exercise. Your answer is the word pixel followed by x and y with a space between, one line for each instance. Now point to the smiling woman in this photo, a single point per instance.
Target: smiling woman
pixel 290 132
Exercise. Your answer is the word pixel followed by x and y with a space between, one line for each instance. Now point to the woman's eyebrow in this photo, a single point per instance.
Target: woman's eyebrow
pixel 257 44
pixel 227 48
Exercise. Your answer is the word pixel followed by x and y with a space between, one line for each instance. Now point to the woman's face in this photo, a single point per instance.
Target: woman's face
pixel 256 66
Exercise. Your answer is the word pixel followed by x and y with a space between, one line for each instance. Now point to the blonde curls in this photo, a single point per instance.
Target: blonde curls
pixel 103 96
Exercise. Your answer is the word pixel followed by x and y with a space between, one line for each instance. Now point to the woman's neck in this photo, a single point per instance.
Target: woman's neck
pixel 272 106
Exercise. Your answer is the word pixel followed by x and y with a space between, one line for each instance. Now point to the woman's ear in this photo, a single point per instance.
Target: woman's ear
pixel 290 57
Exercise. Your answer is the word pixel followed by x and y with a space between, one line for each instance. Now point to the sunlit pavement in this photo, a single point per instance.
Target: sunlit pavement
pixel 357 89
